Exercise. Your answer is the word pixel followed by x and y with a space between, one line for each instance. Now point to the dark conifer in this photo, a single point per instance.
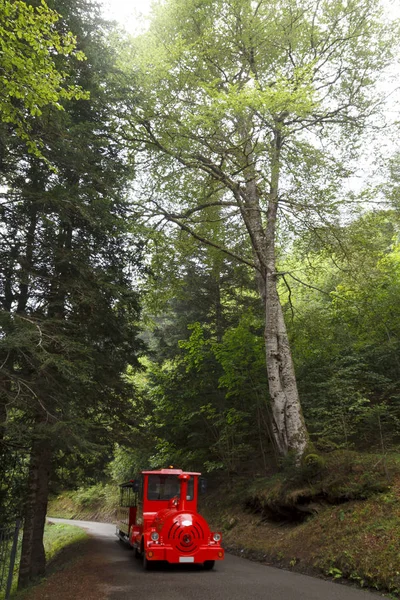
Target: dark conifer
pixel 68 310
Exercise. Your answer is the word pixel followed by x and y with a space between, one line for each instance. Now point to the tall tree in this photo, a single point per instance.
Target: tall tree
pixel 68 308
pixel 252 107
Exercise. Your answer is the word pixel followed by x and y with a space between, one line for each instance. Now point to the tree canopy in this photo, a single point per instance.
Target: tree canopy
pixel 247 113
pixel 69 312
pixel 32 73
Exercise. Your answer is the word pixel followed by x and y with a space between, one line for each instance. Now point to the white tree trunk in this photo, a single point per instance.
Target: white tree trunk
pixel 288 429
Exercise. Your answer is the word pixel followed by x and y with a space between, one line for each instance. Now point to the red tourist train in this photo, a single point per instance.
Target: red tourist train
pixel 158 517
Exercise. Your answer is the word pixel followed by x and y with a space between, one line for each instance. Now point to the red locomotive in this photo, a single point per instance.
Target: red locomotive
pixel 158 517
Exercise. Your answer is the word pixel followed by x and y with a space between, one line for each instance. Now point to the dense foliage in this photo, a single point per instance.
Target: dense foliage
pixel 32 77
pixel 203 394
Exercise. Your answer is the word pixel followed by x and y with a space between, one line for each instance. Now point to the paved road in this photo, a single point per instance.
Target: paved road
pixel 233 579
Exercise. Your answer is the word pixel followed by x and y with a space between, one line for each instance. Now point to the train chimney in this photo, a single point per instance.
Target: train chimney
pixel 184 490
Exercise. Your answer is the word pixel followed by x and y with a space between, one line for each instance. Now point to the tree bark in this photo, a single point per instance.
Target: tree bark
pixel 288 428
pixel 33 559
pixel 3 421
pixel 290 432
pixel 6 358
pixel 218 309
pixel 288 424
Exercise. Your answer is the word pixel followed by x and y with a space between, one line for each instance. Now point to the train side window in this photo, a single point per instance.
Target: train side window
pixel 202 485
pixel 129 493
pixel 190 494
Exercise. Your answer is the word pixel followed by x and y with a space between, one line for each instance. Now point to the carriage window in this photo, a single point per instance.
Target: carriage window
pixel 128 496
pixel 165 487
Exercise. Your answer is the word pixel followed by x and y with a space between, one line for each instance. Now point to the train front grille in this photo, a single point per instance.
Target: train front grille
pixel 186 538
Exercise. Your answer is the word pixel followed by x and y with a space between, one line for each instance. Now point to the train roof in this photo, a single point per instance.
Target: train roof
pixel 130 483
pixel 169 472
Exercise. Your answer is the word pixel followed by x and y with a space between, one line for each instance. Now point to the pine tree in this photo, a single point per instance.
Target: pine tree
pixel 69 312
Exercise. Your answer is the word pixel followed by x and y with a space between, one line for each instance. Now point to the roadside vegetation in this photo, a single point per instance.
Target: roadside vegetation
pixel 57 538
pixel 343 525
pixel 95 503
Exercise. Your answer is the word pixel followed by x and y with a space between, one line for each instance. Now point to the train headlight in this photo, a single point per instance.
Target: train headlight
pixel 154 536
pixel 216 537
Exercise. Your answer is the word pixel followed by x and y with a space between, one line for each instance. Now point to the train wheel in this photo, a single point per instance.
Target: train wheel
pixel 209 564
pixel 146 563
pixel 120 536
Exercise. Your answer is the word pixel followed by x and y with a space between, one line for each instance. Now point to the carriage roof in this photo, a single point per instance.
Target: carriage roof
pixel 130 483
pixel 169 472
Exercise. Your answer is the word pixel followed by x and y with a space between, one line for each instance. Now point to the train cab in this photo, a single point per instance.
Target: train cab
pixel 158 517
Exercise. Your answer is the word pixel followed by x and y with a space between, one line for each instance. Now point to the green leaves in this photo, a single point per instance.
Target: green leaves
pixel 194 347
pixel 242 357
pixel 32 75
pixel 345 333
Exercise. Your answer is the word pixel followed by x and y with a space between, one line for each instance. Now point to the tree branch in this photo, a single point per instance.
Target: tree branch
pixel 173 219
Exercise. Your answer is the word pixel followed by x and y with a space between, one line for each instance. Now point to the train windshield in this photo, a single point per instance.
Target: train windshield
pixel 165 487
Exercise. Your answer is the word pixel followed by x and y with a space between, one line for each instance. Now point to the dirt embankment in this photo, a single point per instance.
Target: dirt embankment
pixel 341 521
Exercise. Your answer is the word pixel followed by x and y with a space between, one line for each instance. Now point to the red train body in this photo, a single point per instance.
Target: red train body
pixel 158 517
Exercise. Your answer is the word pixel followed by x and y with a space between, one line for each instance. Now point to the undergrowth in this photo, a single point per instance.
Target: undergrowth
pixel 57 536
pixel 342 520
pixel 337 478
pixel 96 503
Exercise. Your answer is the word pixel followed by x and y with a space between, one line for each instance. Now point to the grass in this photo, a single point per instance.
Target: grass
pixel 57 537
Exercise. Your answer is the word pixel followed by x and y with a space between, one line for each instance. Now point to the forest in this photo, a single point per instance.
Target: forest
pixel 199 244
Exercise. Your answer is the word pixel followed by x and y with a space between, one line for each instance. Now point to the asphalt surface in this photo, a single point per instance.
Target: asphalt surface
pixel 232 579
